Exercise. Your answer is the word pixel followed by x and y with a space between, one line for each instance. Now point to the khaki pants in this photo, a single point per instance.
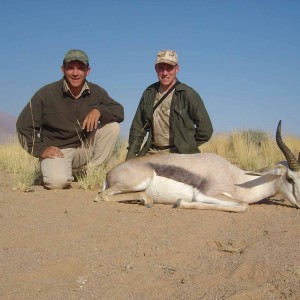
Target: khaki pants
pixel 97 149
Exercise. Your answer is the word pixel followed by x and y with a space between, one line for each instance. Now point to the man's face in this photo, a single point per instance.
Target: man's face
pixel 166 73
pixel 75 73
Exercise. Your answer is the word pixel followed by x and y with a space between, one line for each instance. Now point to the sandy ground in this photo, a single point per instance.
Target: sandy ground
pixel 62 245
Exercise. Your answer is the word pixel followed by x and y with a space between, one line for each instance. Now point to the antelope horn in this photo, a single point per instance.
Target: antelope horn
pixel 290 157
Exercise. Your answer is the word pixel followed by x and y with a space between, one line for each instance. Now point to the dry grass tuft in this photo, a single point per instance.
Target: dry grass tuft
pixel 21 167
pixel 250 149
pixel 93 177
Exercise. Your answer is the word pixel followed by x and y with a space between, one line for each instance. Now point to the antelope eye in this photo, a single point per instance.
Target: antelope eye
pixel 289 180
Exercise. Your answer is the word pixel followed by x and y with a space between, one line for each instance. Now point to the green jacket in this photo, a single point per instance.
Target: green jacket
pixel 189 121
pixel 53 118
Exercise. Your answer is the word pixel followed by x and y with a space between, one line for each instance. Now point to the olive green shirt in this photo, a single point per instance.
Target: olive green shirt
pixel 53 118
pixel 189 121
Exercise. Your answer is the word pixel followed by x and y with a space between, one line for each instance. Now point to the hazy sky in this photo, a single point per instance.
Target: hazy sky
pixel 243 57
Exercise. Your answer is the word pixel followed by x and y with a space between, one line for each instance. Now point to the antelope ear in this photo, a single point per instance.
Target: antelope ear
pixel 254 173
pixel 261 171
pixel 276 170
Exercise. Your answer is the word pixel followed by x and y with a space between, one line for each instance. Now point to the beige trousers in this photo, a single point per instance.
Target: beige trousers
pixel 96 150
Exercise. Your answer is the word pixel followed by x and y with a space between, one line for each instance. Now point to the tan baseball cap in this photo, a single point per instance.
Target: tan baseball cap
pixel 76 54
pixel 167 57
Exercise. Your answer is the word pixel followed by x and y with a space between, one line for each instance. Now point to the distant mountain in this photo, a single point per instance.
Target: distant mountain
pixel 7 124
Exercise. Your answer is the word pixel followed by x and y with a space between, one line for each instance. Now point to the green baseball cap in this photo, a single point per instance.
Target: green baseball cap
pixel 76 54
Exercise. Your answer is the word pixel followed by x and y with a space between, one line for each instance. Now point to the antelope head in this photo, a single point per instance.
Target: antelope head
pixel 291 176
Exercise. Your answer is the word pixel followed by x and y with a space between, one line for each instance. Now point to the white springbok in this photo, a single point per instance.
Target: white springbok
pixel 201 181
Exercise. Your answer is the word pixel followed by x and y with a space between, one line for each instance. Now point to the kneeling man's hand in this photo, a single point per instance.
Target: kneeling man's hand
pixel 91 120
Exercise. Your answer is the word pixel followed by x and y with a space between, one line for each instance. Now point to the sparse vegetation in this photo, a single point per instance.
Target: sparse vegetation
pixel 92 178
pixel 247 149
pixel 250 149
pixel 18 164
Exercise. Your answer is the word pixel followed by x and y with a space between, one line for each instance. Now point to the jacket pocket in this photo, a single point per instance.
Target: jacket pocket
pixel 184 118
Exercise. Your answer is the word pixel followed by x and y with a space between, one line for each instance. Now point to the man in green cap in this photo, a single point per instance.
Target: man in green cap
pixel 69 123
pixel 171 114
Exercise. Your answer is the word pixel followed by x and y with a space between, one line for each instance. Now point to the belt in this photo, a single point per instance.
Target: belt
pixel 161 147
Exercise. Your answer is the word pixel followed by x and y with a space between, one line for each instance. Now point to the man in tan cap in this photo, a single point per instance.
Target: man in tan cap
pixel 171 112
pixel 69 123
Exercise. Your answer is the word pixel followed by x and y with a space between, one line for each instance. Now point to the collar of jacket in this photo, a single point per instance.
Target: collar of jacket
pixel 155 87
pixel 66 90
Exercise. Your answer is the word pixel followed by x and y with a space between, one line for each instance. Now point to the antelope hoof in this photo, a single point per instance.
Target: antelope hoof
pixel 149 205
pixel 244 206
pixel 177 203
pixel 99 197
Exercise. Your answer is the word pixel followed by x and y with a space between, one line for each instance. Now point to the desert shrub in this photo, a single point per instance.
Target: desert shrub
pixel 254 137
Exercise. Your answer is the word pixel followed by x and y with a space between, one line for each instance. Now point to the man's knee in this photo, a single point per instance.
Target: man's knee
pixel 112 128
pixel 57 182
pixel 57 172
pixel 107 134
